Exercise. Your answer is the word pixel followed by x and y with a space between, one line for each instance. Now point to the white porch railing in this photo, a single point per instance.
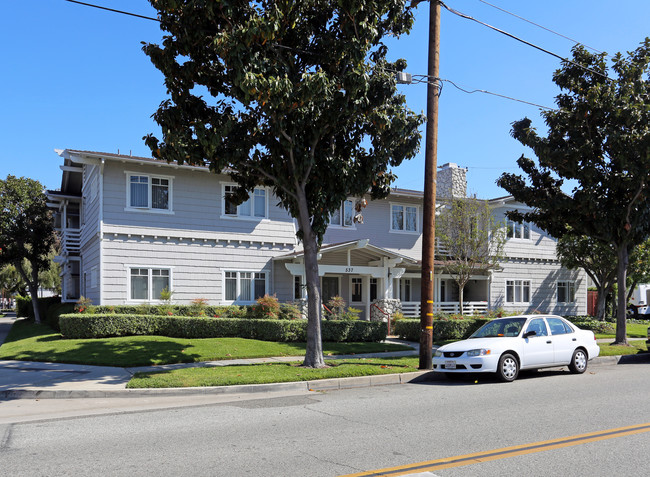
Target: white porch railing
pixel 71 240
pixel 412 308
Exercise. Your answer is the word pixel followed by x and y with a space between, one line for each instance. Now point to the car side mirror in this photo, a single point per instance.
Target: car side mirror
pixel 530 333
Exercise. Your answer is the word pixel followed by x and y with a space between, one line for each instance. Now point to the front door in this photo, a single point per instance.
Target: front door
pixel 329 288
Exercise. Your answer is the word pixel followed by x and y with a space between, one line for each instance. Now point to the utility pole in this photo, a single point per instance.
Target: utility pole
pixel 430 173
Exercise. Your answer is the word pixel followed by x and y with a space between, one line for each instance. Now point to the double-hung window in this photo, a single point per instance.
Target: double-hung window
pixel 517 291
pixel 357 290
pixel 520 230
pixel 147 192
pixel 146 284
pixel 566 292
pixel 344 215
pixel 253 208
pixel 244 286
pixel 403 218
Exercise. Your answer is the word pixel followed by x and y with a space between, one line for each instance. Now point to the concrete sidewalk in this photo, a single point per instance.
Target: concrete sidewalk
pixel 37 380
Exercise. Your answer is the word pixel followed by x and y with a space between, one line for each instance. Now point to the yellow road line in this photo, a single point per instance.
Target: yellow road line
pixel 486 456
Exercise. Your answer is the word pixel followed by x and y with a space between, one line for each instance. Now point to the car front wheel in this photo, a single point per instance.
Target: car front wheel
pixel 508 368
pixel 578 361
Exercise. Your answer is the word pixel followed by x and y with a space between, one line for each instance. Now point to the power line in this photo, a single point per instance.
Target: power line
pixel 541 26
pixel 113 10
pixel 467 17
pixel 496 94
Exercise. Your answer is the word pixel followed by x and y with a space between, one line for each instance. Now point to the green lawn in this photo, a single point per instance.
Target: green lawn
pixel 636 346
pixel 634 330
pixel 270 373
pixel 30 342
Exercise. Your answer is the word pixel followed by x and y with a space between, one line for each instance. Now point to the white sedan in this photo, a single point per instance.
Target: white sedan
pixel 506 345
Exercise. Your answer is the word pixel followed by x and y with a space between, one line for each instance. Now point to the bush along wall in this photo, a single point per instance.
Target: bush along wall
pixel 443 330
pixel 84 326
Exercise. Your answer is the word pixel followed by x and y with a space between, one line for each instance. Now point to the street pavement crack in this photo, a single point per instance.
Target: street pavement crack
pixel 353 421
pixel 320 459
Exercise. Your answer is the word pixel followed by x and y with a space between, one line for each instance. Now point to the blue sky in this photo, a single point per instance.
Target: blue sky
pixel 75 77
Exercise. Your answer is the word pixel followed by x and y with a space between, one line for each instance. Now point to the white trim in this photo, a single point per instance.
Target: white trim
pixel 128 269
pixel 149 209
pixel 251 197
pixel 236 301
pixel 515 280
pixel 404 205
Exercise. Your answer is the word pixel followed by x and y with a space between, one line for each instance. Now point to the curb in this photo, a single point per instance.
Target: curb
pixel 303 386
pixel 320 385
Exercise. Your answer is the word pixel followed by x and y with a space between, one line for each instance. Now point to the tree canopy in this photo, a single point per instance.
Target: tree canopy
pixel 26 230
pixel 294 95
pixel 599 139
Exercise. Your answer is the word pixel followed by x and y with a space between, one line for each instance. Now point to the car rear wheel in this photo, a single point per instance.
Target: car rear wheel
pixel 578 361
pixel 508 368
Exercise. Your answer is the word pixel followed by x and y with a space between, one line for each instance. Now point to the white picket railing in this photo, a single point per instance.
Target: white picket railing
pixel 412 308
pixel 71 240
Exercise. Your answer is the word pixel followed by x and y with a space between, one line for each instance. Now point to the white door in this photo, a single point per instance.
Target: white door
pixel 538 349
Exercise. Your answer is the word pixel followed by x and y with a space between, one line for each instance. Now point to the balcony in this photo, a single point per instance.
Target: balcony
pixel 411 309
pixel 70 241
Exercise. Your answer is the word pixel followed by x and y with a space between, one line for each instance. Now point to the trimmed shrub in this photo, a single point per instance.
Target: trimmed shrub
pixel 86 326
pixel 55 311
pixel 443 329
pixel 22 306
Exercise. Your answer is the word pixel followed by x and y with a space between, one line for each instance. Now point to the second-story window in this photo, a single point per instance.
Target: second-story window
pixel 344 215
pixel 254 207
pixel 404 218
pixel 149 192
pixel 517 229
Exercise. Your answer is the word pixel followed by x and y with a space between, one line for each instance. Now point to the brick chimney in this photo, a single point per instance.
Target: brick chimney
pixel 452 181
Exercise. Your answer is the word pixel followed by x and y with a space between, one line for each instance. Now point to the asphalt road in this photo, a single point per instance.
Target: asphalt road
pixel 341 432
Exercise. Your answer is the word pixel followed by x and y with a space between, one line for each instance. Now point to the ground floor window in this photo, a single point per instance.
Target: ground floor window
pixel 148 283
pixel 405 289
pixel 566 292
pixel 517 291
pixel 373 289
pixel 244 286
pixel 297 287
pixel 357 290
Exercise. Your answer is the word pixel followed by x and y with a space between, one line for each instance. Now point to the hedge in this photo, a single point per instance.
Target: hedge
pixel 100 326
pixel 50 309
pixel 287 311
pixel 443 330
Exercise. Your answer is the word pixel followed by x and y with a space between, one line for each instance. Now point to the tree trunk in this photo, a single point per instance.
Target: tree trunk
pixel 461 294
pixel 32 285
pixel 601 303
pixel 314 352
pixel 621 330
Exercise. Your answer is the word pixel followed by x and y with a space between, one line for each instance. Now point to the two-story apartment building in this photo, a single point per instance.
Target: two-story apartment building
pixel 133 226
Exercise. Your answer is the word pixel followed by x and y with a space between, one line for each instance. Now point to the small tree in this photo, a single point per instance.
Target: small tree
pixel 598 259
pixel 295 95
pixel 471 240
pixel 26 231
pixel 639 268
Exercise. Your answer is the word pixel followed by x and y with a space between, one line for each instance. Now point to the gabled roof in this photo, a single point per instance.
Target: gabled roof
pixel 362 244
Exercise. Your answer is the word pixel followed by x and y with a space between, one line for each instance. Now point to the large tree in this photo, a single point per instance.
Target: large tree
pixel 598 259
pixel 26 231
pixel 295 95
pixel 599 137
pixel 471 240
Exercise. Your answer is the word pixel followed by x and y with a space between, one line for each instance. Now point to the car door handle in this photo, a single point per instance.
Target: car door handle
pixel 549 342
pixel 574 339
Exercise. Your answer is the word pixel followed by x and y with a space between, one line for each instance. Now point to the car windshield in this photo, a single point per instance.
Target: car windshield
pixel 500 328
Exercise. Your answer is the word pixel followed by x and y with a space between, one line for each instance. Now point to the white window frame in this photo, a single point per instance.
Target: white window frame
pixel 521 284
pixel 251 198
pixel 149 282
pixel 361 282
pixel 570 291
pixel 94 277
pixel 403 229
pixel 342 224
pixel 149 209
pixel 517 230
pixel 238 277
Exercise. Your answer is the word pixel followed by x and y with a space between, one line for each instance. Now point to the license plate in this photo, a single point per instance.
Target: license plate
pixel 450 364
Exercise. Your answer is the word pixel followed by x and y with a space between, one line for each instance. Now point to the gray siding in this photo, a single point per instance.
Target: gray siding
pixel 196 199
pixel 197 266
pixel 90 258
pixel 376 227
pixel 540 246
pixel 543 277
pixel 90 203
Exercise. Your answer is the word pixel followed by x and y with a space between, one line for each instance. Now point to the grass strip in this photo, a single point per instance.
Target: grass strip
pixel 270 373
pixel 30 342
pixel 635 347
